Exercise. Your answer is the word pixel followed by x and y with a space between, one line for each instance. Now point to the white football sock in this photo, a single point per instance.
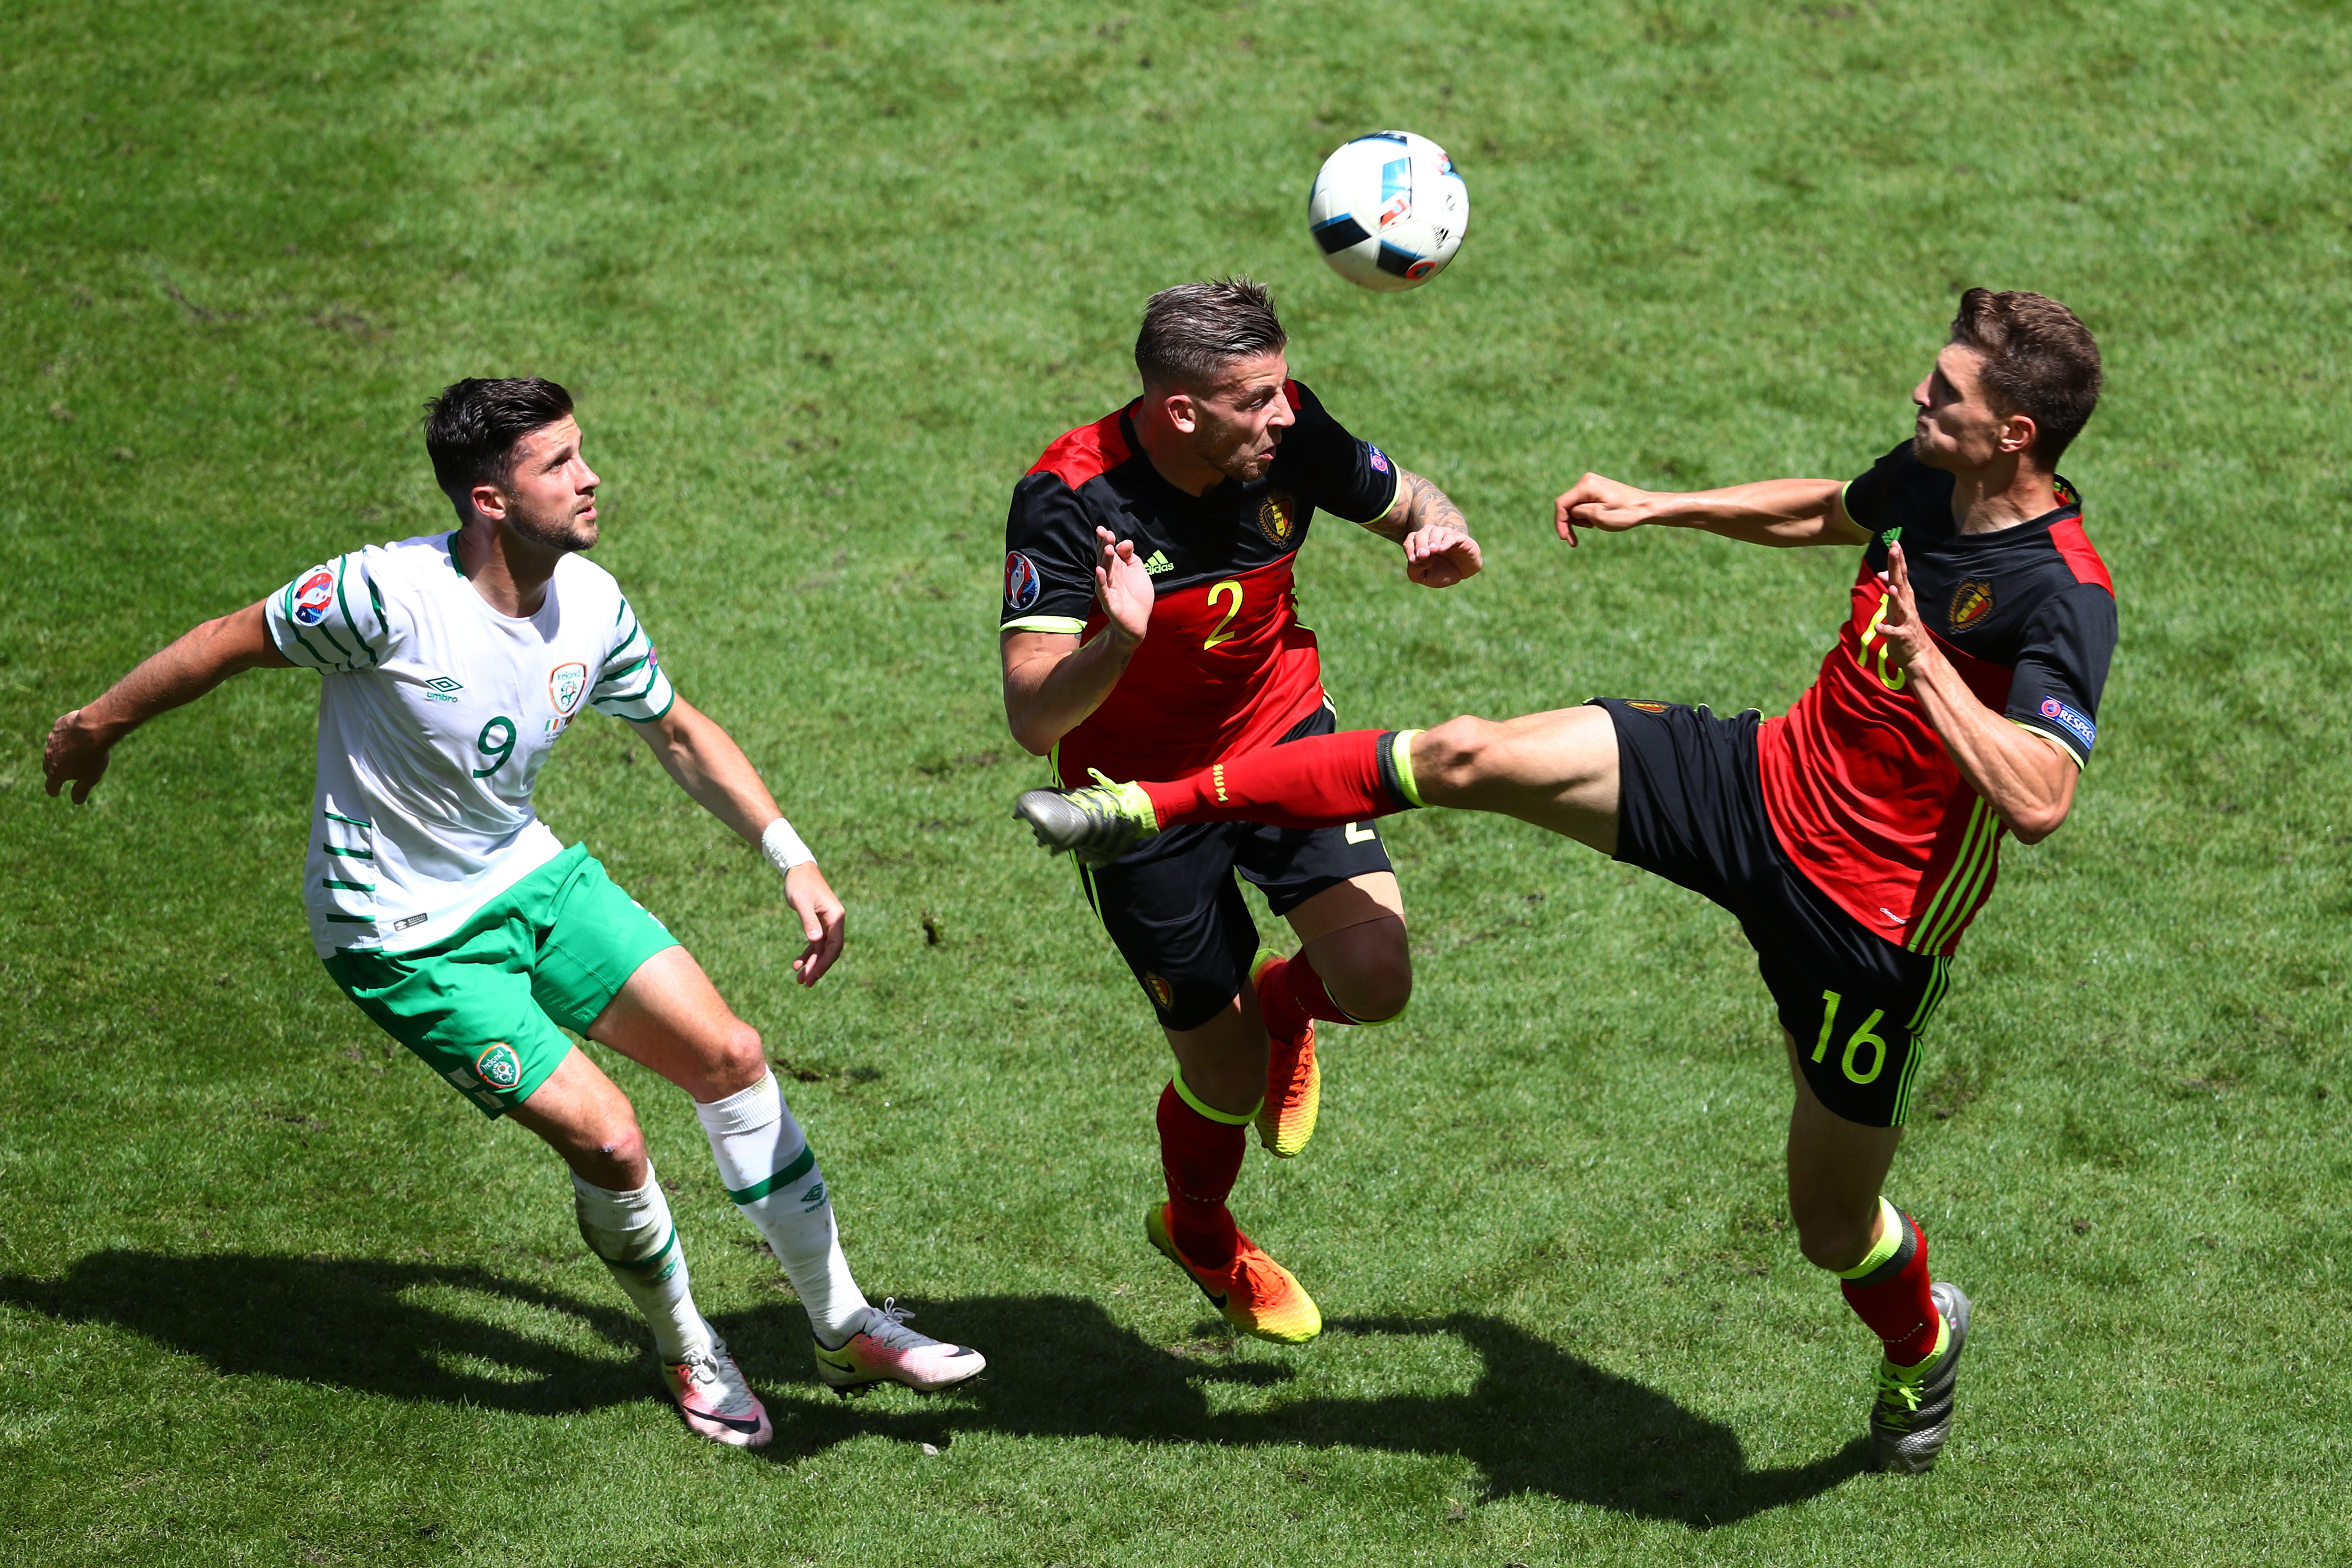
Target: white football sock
pixel 633 1232
pixel 768 1168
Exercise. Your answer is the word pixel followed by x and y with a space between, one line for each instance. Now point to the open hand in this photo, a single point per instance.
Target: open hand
pixel 1441 555
pixel 1908 641
pixel 1122 586
pixel 1594 501
pixel 821 920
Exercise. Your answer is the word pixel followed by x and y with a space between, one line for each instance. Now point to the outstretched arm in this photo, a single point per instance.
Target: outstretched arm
pixel 1783 512
pixel 80 742
pixel 1051 680
pixel 2026 777
pixel 709 765
pixel 1438 548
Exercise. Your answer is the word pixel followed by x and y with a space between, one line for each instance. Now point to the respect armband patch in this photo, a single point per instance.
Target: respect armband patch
pixel 2076 724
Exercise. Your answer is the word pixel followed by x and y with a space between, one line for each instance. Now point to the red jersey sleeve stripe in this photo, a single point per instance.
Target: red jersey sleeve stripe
pixel 2074 545
pixel 1089 450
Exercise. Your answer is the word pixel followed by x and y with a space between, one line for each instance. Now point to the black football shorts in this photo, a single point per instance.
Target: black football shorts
pixel 1691 808
pixel 1177 916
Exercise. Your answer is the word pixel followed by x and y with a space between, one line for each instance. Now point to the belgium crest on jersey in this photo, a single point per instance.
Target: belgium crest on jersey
pixel 1971 602
pixel 1277 518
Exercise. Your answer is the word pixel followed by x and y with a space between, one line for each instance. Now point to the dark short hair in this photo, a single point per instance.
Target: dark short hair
pixel 1190 332
pixel 472 429
pixel 2039 360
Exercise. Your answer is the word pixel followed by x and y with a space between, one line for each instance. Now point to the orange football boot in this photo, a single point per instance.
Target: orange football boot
pixel 1294 1082
pixel 1257 1295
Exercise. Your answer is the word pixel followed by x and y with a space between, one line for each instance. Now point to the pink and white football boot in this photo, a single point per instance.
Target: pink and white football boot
pixel 886 1350
pixel 715 1400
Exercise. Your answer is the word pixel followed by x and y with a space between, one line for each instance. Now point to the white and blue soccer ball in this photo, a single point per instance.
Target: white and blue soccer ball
pixel 1387 210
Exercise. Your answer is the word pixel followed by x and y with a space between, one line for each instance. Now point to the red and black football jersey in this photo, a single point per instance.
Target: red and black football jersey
pixel 1224 666
pixel 1865 801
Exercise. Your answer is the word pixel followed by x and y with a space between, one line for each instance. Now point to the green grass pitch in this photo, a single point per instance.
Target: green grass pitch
pixel 825 280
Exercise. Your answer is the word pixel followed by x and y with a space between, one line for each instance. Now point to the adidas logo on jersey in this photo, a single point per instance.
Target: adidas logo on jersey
pixel 1159 563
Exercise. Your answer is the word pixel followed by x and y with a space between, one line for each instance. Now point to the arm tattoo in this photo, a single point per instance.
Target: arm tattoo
pixel 1419 504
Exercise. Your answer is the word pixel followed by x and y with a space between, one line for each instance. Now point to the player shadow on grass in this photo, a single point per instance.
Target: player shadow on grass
pixel 1534 1421
pixel 1536 1418
pixel 356 1324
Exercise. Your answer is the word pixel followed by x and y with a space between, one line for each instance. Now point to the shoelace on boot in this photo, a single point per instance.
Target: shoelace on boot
pixel 888 1327
pixel 1895 1391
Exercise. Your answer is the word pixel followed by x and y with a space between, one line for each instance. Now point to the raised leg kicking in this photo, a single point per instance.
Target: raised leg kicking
pixel 1855 838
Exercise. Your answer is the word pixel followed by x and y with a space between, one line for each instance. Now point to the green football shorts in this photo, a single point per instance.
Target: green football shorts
pixel 487 1007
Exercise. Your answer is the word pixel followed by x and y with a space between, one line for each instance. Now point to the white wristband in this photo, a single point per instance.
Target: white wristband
pixel 784 848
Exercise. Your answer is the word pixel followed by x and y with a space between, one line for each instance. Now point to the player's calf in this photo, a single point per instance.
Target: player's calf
pixel 632 1233
pixel 771 1171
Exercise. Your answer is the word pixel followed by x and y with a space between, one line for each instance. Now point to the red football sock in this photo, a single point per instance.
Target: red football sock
pixel 1203 1158
pixel 1891 1295
pixel 1318 781
pixel 1293 993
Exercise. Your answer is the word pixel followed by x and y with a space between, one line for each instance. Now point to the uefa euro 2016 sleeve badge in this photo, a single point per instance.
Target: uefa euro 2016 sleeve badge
pixel 1021 583
pixel 311 599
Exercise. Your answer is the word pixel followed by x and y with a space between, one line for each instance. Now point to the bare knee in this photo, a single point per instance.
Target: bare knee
pixel 1453 757
pixel 611 1156
pixel 623 1145
pixel 1378 993
pixel 738 1060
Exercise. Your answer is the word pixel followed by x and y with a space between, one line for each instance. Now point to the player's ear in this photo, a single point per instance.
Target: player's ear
pixel 2017 433
pixel 1181 412
pixel 488 500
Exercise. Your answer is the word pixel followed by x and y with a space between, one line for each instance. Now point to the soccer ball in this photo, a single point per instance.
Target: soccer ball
pixel 1387 210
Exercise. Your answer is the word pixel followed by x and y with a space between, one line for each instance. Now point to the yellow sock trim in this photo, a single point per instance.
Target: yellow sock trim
pixel 1918 1371
pixel 1889 1241
pixel 1375 1023
pixel 1184 1092
pixel 1401 753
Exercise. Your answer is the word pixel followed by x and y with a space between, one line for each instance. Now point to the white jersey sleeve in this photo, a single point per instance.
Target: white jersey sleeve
pixel 630 683
pixel 331 617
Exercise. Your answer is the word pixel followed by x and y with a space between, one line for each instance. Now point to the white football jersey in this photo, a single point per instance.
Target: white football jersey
pixel 434 717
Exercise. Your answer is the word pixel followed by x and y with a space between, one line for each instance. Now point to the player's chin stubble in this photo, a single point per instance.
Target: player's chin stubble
pixel 567 533
pixel 1248 469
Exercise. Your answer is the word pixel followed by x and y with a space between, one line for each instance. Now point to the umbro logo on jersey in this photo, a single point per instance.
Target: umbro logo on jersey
pixel 1159 563
pixel 441 689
